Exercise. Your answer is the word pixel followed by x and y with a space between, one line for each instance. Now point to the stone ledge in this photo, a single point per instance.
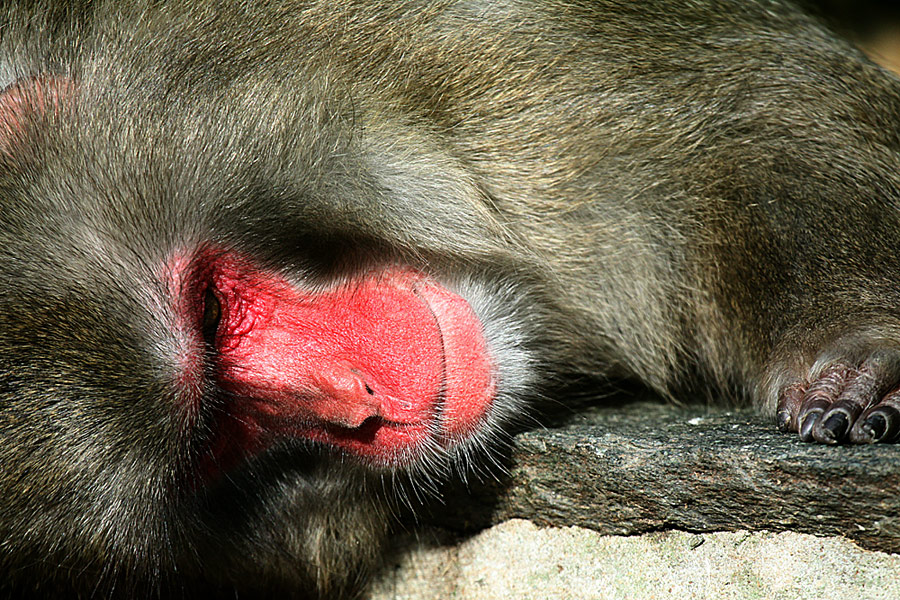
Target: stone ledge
pixel 642 467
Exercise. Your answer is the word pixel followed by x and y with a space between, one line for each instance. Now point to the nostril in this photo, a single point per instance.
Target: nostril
pixel 369 390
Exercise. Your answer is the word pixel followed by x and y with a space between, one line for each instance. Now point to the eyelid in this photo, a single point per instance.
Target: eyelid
pixel 212 315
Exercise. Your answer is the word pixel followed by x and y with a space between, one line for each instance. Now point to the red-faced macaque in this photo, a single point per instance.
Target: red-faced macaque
pixel 263 261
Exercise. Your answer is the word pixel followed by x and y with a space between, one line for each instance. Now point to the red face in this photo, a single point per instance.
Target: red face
pixel 381 366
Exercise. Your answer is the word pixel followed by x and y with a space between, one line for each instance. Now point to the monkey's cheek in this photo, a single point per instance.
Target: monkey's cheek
pixel 469 381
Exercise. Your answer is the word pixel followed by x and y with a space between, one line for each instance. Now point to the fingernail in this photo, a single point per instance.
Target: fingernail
pixel 783 420
pixel 875 426
pixel 808 421
pixel 835 427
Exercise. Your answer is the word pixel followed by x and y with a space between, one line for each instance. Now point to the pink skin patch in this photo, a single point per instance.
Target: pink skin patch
pixel 377 367
pixel 28 97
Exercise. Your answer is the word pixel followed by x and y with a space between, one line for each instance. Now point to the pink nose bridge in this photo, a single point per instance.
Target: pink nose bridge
pixel 347 398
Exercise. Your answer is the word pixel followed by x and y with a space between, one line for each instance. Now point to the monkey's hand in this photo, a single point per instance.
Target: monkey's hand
pixel 844 402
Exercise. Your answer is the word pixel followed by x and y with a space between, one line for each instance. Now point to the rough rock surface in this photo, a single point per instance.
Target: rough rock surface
pixel 649 467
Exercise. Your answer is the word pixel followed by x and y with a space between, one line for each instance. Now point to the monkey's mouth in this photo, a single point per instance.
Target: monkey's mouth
pixel 384 368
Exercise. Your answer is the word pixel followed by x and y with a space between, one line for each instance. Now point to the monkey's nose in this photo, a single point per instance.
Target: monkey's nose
pixel 344 396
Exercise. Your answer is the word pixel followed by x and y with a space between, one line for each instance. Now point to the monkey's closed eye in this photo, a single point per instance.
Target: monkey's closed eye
pixel 212 314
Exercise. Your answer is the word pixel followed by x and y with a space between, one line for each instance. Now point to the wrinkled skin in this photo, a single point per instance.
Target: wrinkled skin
pixel 269 267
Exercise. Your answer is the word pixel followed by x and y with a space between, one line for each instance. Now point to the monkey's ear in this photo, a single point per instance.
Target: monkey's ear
pixel 25 99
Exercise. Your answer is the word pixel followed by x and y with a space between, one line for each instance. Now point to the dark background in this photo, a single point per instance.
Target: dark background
pixel 873 24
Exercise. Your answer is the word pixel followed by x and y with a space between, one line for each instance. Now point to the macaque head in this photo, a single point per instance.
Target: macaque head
pixel 254 323
pixel 381 361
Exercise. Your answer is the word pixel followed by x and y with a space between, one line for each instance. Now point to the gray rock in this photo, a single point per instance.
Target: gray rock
pixel 652 467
